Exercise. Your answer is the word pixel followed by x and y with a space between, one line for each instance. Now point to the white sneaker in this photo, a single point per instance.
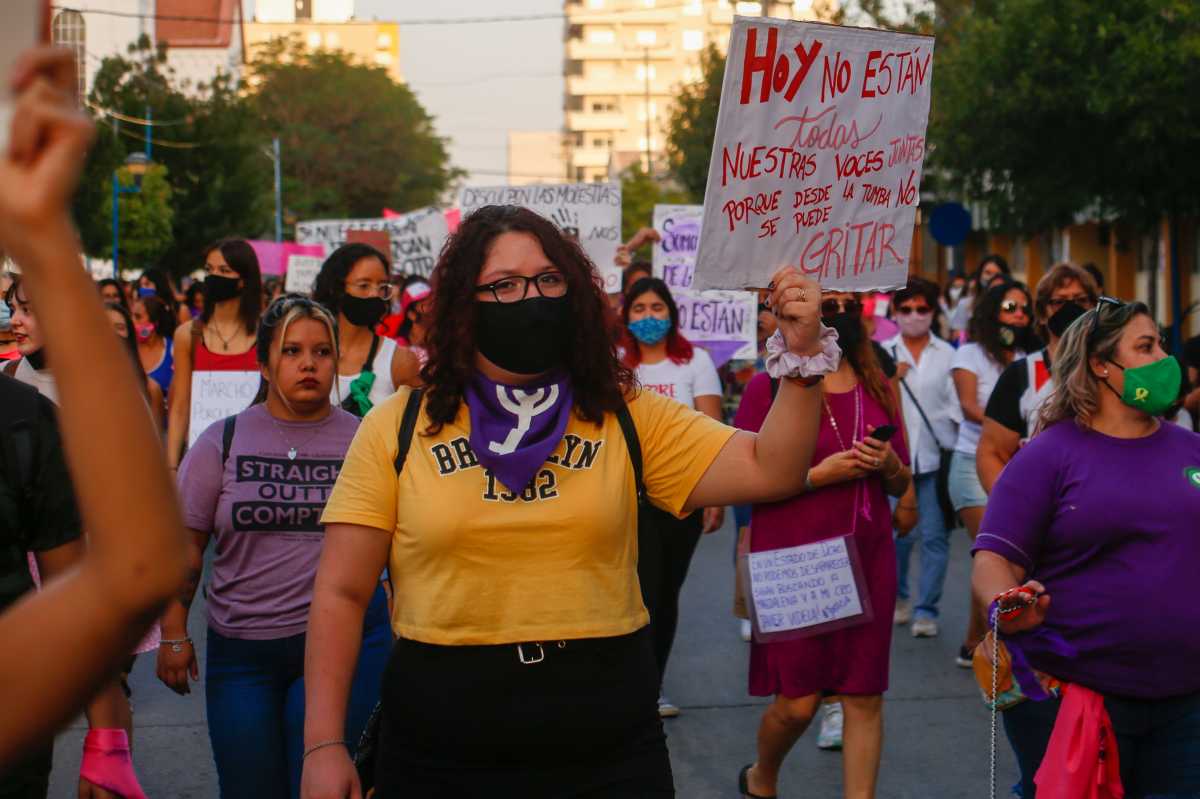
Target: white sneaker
pixel 666 710
pixel 903 613
pixel 747 631
pixel 925 628
pixel 830 736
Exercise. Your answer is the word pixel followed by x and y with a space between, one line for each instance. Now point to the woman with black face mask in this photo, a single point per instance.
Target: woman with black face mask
pixel 503 500
pixel 221 339
pixel 353 283
pixel 1000 333
pixel 1063 295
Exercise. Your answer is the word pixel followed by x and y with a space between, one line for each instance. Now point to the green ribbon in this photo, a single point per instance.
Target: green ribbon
pixel 360 392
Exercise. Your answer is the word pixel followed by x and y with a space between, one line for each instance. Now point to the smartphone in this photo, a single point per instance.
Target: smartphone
pixel 883 433
pixel 26 23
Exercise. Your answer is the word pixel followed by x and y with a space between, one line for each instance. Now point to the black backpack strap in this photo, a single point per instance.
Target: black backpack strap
pixel 634 444
pixel 369 366
pixel 408 424
pixel 774 388
pixel 227 438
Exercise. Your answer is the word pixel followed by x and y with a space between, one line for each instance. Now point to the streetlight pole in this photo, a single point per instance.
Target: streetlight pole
pixel 278 192
pixel 138 163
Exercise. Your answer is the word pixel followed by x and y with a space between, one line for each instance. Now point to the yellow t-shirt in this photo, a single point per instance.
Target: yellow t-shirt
pixel 472 563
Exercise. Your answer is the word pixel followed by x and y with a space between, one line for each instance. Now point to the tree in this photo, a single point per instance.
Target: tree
pixel 145 218
pixel 203 134
pixel 692 125
pixel 353 140
pixel 639 194
pixel 1045 111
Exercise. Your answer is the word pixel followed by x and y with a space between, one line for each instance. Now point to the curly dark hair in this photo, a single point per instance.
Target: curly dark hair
pixel 600 381
pixel 984 328
pixel 330 285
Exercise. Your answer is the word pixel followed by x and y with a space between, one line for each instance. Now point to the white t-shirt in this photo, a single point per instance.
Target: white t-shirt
pixel 974 358
pixel 682 381
pixel 382 366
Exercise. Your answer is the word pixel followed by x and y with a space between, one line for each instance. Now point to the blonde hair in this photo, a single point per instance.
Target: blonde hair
pixel 273 327
pixel 1096 334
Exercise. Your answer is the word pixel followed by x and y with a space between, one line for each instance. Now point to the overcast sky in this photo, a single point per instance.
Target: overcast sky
pixel 480 81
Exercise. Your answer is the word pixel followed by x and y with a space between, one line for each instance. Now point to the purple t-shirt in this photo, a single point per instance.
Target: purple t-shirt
pixel 264 512
pixel 1111 527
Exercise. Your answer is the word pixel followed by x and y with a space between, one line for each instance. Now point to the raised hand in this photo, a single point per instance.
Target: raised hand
pixel 796 303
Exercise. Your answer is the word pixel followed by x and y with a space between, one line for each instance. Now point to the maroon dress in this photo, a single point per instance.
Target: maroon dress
pixel 853 660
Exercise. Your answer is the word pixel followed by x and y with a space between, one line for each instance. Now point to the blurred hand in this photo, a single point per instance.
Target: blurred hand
pixel 48 146
pixel 174 668
pixel 796 303
pixel 1032 615
pixel 839 467
pixel 714 518
pixel 329 773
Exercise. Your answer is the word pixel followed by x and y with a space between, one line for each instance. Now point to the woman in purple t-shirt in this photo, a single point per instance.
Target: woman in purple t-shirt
pixel 1097 516
pixel 259 488
pixel 846 494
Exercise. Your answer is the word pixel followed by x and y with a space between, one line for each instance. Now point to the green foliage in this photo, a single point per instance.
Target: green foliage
pixel 145 218
pixel 693 125
pixel 353 140
pixel 1044 111
pixel 639 194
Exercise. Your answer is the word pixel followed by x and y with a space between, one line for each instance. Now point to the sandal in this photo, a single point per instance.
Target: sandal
pixel 744 787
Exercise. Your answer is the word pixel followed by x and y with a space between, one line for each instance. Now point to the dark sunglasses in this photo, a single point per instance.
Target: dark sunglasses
pixel 833 307
pixel 905 310
pixel 1012 306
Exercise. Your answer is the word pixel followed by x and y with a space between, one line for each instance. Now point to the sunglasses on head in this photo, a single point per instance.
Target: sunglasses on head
pixel 1012 306
pixel 832 307
pixel 1101 305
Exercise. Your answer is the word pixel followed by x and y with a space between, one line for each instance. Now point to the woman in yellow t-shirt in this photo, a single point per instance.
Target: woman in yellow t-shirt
pixel 524 665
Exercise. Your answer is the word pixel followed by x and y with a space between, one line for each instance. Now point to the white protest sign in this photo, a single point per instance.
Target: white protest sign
pixel 416 237
pixel 301 272
pixel 589 211
pixel 216 395
pixel 723 322
pixel 805 586
pixel 674 255
pixel 818 154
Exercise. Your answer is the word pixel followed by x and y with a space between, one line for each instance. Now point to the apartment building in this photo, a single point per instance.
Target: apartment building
pixel 625 61
pixel 327 25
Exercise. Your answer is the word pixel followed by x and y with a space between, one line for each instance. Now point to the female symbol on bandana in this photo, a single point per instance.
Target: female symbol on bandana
pixel 528 405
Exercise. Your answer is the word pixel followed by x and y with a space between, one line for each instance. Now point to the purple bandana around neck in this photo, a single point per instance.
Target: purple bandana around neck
pixel 515 428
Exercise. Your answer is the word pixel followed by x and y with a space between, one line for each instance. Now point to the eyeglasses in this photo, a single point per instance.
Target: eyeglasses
pixel 1104 302
pixel 516 288
pixel 363 288
pixel 1012 306
pixel 832 307
pixel 906 310
pixel 1083 301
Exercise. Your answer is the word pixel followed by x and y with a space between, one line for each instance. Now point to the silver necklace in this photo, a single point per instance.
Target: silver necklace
pixel 292 452
pixel 857 417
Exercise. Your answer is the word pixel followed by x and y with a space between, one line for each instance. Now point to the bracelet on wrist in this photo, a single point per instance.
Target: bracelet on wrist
pixel 176 644
pixel 321 745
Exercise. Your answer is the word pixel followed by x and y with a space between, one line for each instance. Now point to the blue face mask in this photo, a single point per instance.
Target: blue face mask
pixel 650 330
pixel 146 291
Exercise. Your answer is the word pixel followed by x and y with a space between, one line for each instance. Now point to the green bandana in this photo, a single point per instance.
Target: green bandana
pixel 359 401
pixel 1152 388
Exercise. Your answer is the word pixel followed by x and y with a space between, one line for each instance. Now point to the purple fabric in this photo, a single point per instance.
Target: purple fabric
pixel 1109 527
pixel 721 352
pixel 1022 671
pixel 515 428
pixel 263 510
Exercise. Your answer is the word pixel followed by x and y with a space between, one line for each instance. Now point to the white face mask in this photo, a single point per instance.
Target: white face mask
pixel 954 292
pixel 914 325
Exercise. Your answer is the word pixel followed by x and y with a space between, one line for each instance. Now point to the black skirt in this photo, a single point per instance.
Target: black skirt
pixel 557 719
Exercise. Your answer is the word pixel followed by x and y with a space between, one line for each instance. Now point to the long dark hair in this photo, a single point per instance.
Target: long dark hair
pixel 865 362
pixel 120 287
pixel 984 328
pixel 679 349
pixel 160 314
pixel 164 288
pixel 330 285
pixel 599 379
pixel 242 259
pixel 130 344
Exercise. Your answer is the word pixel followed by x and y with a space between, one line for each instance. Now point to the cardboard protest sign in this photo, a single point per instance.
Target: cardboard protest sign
pixel 591 212
pixel 807 589
pixel 301 272
pixel 416 238
pixel 216 395
pixel 818 154
pixel 723 322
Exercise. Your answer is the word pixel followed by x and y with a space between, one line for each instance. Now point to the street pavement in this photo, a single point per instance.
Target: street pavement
pixel 936 728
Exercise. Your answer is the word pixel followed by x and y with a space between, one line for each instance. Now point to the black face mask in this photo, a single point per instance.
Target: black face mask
pixel 1063 317
pixel 527 337
pixel 849 329
pixel 364 311
pixel 1020 338
pixel 218 288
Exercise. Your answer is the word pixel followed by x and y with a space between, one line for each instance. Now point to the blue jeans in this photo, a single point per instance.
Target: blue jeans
pixel 935 549
pixel 256 705
pixel 1158 741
